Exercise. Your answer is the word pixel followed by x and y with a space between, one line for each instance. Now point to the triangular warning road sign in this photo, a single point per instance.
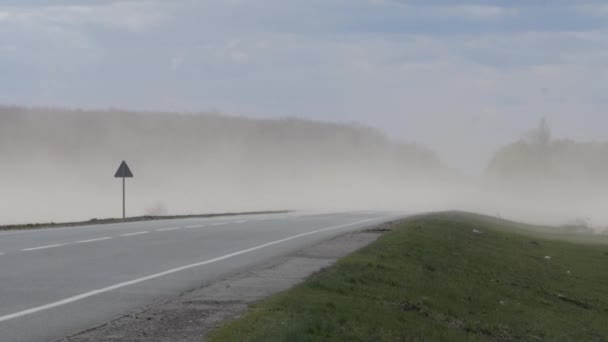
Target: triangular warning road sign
pixel 123 171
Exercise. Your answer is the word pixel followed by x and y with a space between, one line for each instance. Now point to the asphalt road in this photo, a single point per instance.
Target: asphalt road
pixel 57 282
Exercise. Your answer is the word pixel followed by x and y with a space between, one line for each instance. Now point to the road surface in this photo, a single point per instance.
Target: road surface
pixel 57 282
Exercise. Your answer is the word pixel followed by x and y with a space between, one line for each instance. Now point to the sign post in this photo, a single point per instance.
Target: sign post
pixel 123 172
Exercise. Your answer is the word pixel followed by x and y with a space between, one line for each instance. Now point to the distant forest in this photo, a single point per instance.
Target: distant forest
pixel 278 146
pixel 538 162
pixel 198 162
pixel 59 164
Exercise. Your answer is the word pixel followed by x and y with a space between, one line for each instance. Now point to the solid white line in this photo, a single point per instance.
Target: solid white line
pixel 133 234
pixel 41 247
pixel 93 240
pixel 167 229
pixel 166 273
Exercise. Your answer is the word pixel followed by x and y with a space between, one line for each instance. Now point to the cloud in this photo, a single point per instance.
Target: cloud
pixel 480 11
pixel 176 62
pixel 594 10
pixel 127 15
pixel 235 52
pixel 486 70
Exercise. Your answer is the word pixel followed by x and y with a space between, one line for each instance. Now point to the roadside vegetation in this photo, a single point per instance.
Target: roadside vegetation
pixel 449 276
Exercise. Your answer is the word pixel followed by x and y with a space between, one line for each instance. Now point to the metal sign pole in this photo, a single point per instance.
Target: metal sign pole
pixel 124 209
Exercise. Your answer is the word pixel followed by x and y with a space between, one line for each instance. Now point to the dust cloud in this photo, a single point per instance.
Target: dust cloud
pixel 58 165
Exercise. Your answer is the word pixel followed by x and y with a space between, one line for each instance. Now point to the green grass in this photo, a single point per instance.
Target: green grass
pixel 432 279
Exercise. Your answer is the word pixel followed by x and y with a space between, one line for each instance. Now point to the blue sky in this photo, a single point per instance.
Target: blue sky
pixel 463 77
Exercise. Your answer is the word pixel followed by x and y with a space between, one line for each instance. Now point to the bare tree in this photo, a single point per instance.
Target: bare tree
pixel 540 135
pixel 544 132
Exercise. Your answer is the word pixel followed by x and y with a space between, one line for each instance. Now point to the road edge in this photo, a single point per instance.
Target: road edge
pixel 96 222
pixel 194 314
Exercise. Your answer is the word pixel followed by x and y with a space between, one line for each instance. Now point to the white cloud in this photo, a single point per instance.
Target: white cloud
pixel 177 62
pixel 132 16
pixel 594 9
pixel 486 12
pixel 235 52
pixel 404 68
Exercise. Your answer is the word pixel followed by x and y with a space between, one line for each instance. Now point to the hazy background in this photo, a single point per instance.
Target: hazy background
pixel 465 79
pixel 59 164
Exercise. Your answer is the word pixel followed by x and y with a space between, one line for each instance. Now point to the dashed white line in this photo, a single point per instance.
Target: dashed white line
pixel 196 226
pixel 42 247
pixel 93 240
pixel 133 234
pixel 166 273
pixel 239 222
pixel 219 223
pixel 167 229
pixel 1 253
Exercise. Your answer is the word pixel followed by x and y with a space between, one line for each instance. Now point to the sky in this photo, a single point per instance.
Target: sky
pixel 462 77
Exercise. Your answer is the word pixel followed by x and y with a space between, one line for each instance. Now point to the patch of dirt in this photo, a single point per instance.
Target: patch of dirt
pixel 383 228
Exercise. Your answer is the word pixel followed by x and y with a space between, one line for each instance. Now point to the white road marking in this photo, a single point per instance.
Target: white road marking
pixel 219 223
pixel 166 273
pixel 238 222
pixel 196 226
pixel 133 234
pixel 167 229
pixel 1 253
pixel 93 240
pixel 42 247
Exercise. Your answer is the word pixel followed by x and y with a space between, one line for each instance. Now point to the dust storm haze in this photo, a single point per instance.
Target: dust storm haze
pixel 58 165
pixel 445 96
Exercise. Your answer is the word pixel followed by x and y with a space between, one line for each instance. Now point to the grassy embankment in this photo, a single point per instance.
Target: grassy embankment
pixel 432 278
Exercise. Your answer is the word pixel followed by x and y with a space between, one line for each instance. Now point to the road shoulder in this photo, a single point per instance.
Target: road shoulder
pixel 194 314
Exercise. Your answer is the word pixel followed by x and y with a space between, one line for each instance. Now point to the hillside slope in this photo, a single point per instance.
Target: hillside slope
pixel 445 277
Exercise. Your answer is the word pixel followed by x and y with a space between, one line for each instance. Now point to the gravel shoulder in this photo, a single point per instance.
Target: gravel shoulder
pixel 191 316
